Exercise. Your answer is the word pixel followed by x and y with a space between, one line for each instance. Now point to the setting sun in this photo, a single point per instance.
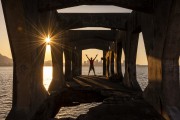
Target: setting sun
pixel 48 39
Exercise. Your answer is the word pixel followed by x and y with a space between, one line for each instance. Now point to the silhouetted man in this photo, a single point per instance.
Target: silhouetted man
pixel 91 61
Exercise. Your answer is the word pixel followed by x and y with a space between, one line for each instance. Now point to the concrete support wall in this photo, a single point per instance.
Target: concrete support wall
pixel 28 56
pixel 79 52
pixel 118 61
pixel 115 63
pixel 162 47
pixel 111 63
pixel 131 43
pixel 57 62
pixel 104 62
pixel 107 64
pixel 76 62
pixel 68 59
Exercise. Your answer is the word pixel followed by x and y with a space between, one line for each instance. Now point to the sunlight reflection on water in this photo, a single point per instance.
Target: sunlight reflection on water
pixel 47 76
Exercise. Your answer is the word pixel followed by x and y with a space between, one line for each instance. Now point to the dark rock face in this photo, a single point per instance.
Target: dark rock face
pixel 122 108
pixel 67 97
pixel 115 106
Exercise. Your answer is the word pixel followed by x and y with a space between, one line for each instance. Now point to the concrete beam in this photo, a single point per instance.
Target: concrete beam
pixel 138 5
pixel 79 35
pixel 80 20
pixel 92 43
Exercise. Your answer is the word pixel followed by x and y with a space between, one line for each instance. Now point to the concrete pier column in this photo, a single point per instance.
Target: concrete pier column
pixel 57 82
pixel 28 57
pixel 131 43
pixel 107 64
pixel 154 48
pixel 115 63
pixel 79 58
pixel 111 63
pixel 162 48
pixel 68 59
pixel 104 62
pixel 74 63
pixel 118 61
pixel 170 65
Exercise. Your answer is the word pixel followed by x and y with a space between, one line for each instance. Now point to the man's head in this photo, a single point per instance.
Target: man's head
pixel 91 58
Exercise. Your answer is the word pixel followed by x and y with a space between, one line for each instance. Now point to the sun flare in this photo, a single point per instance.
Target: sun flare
pixel 48 39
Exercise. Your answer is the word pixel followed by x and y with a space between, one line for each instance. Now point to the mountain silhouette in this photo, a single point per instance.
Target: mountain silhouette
pixel 5 61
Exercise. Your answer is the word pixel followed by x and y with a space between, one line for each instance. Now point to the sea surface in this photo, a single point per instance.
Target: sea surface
pixel 6 78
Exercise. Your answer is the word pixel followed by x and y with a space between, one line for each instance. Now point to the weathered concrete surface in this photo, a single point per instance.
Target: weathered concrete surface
pixel 107 64
pixel 111 61
pixel 118 61
pixel 79 35
pixel 68 59
pixel 130 79
pixel 91 43
pixel 162 48
pixel 28 57
pixel 104 62
pixel 79 20
pixel 139 5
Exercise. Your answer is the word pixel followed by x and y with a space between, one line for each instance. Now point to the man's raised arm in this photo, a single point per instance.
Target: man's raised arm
pixel 95 57
pixel 87 57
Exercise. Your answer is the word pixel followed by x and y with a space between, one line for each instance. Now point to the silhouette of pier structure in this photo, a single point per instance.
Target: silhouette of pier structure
pixel 28 22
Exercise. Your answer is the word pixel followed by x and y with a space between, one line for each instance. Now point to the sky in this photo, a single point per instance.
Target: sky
pixel 141 57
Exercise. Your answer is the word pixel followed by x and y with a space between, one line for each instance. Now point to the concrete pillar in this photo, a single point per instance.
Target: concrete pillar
pixel 162 48
pixel 131 43
pixel 68 59
pixel 74 63
pixel 111 63
pixel 28 57
pixel 79 53
pixel 115 63
pixel 107 64
pixel 57 82
pixel 104 62
pixel 152 93
pixel 118 61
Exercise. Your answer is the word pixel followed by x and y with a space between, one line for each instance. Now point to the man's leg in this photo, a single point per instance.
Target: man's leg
pixel 94 71
pixel 89 70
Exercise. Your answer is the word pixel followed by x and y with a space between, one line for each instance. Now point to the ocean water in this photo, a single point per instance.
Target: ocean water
pixel 6 79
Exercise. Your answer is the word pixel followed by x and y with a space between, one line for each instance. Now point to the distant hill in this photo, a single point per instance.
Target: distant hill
pixel 5 61
pixel 48 63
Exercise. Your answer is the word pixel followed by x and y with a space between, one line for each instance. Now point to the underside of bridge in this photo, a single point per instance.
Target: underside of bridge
pixel 28 22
